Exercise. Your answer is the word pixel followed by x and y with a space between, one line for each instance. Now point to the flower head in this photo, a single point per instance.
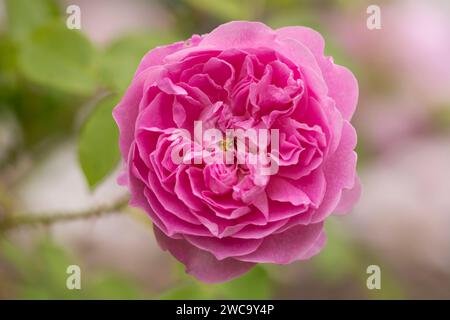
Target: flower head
pixel 238 145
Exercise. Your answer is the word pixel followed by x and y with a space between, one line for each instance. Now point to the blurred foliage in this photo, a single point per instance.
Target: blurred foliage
pixel 342 260
pixel 226 10
pixel 256 284
pixel 8 77
pixel 45 70
pixel 339 257
pixel 441 117
pixel 40 273
pixel 25 16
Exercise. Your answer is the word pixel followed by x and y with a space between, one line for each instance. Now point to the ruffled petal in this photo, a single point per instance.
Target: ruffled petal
pixel 342 84
pixel 225 247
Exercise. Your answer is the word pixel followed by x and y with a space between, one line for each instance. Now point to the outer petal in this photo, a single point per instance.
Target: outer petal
pixel 349 198
pixel 156 56
pixel 296 243
pixel 340 172
pixel 201 264
pixel 299 54
pixel 138 198
pixel 239 34
pixel 317 246
pixel 126 112
pixel 342 84
pixel 342 87
pixel 306 36
pixel 225 247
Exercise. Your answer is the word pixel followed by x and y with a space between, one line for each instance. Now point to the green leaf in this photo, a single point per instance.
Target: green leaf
pixel 122 57
pixel 98 149
pixel 59 58
pixel 25 15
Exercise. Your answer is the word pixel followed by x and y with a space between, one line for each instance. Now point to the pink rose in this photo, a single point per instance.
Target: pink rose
pixel 221 218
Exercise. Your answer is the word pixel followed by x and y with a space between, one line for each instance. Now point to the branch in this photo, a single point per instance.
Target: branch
pixel 27 219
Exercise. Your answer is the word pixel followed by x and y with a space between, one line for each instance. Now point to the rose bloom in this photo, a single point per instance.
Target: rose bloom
pixel 221 219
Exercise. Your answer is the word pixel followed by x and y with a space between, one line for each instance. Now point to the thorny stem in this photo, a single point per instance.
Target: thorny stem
pixel 11 221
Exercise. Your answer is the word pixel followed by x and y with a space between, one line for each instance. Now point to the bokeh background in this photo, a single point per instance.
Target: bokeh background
pixel 58 150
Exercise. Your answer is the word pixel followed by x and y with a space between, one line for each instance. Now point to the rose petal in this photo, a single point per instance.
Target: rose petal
pixel 239 34
pixel 283 248
pixel 349 198
pixel 340 171
pixel 280 189
pixel 342 87
pixel 126 112
pixel 342 84
pixel 225 247
pixel 306 36
pixel 201 264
